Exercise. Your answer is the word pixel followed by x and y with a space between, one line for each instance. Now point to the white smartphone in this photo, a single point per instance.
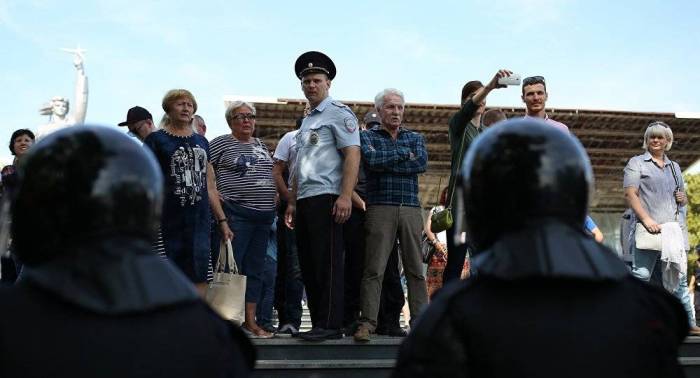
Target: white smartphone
pixel 513 79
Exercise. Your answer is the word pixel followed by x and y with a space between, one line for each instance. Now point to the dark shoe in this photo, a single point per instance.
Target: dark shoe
pixel 321 334
pixel 350 329
pixel 393 332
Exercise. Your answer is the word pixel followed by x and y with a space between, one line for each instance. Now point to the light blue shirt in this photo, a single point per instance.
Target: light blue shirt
pixel 328 128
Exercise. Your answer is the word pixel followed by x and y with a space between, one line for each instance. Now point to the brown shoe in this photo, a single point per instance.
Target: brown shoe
pixel 362 334
pixel 694 331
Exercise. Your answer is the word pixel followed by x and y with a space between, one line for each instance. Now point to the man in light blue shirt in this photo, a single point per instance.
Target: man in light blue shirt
pixel 328 158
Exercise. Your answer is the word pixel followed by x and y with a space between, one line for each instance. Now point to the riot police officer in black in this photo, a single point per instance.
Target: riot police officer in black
pixel 94 300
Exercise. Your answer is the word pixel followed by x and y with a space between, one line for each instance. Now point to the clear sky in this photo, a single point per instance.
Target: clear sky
pixel 618 55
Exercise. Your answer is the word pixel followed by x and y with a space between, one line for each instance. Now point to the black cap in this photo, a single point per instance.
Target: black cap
pixel 371 118
pixel 136 114
pixel 314 62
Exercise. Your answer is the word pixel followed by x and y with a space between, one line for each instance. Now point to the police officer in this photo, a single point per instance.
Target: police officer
pixel 579 313
pixel 94 300
pixel 328 158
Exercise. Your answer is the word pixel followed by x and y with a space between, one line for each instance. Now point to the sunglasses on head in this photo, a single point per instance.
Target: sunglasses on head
pixel 533 80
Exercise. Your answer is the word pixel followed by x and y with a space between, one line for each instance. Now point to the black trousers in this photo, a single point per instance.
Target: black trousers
pixel 455 258
pixel 392 298
pixel 320 248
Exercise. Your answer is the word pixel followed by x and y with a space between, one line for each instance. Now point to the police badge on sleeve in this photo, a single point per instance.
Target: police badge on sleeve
pixel 350 124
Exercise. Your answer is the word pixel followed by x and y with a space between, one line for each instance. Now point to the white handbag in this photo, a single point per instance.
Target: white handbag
pixel 226 292
pixel 643 239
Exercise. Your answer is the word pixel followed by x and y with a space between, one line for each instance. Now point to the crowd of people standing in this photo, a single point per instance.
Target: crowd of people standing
pixel 338 198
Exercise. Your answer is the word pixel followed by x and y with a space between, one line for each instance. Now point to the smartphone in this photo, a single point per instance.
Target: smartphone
pixel 513 79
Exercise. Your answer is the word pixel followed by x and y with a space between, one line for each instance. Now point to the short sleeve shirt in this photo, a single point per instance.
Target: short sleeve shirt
pixel 656 185
pixel 327 129
pixel 243 172
pixel 287 151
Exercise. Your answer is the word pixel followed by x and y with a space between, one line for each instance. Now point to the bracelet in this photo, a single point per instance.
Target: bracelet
pixel 222 220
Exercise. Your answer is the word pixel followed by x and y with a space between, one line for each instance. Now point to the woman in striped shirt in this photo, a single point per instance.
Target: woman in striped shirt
pixel 243 168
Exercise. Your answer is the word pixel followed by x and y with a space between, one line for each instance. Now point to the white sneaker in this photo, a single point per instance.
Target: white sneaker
pixel 288 329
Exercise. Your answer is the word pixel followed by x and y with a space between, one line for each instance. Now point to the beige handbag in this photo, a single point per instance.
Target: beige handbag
pixel 226 292
pixel 643 239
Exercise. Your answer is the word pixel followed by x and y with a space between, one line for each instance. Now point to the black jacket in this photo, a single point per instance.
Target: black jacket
pixel 547 302
pixel 118 311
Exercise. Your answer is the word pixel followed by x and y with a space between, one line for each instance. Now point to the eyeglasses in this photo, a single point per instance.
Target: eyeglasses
pixel 241 116
pixel 533 80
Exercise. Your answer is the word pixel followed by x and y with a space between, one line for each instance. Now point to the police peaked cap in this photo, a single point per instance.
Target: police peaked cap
pixel 314 62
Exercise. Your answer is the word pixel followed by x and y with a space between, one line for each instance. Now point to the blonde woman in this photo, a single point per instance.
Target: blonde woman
pixel 183 156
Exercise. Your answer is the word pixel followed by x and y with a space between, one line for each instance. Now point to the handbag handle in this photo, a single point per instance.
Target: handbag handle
pixel 226 258
pixel 437 195
pixel 678 187
pixel 231 260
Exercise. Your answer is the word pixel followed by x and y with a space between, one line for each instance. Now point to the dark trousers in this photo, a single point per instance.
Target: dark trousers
pixel 455 259
pixel 289 287
pixel 392 298
pixel 320 248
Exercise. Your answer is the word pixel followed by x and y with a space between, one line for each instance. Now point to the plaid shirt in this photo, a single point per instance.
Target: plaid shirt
pixel 392 166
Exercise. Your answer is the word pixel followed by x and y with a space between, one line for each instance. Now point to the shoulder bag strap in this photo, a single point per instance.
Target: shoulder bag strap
pixel 459 163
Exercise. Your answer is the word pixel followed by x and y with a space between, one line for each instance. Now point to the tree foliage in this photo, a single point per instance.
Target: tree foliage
pixel 692 183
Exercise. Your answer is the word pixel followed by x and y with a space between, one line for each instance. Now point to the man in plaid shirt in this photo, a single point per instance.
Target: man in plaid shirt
pixel 393 157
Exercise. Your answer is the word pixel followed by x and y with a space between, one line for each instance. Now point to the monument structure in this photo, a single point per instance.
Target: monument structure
pixel 57 109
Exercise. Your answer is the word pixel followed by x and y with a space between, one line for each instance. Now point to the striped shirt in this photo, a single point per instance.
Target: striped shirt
pixel 243 172
pixel 392 166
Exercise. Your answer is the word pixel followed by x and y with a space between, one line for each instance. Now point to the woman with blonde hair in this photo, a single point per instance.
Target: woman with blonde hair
pixel 183 156
pixel 655 191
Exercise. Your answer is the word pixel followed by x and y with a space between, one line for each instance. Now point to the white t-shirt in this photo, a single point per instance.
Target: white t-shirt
pixel 286 151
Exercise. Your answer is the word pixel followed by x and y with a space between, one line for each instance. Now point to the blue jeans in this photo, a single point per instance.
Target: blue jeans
pixel 263 312
pixel 647 268
pixel 251 230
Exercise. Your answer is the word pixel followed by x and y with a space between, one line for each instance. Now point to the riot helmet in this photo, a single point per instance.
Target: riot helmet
pixel 519 172
pixel 83 184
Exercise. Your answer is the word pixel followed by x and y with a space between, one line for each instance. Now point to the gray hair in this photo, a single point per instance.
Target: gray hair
pixel 657 128
pixel 231 110
pixel 379 98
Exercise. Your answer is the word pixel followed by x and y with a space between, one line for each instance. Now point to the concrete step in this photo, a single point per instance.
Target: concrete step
pixel 285 356
pixel 293 357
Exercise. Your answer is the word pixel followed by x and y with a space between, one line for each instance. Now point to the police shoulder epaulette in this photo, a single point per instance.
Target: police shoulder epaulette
pixel 339 104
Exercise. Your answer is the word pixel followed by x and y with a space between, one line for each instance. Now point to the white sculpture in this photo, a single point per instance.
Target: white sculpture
pixel 57 108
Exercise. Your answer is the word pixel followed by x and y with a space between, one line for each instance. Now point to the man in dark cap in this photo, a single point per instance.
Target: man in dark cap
pixel 328 157
pixel 139 121
pixel 94 300
pixel 580 312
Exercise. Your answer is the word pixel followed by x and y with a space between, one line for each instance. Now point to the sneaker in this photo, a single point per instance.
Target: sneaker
pixel 288 329
pixel 362 334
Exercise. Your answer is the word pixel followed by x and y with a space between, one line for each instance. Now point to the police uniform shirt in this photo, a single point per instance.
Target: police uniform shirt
pixel 328 128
